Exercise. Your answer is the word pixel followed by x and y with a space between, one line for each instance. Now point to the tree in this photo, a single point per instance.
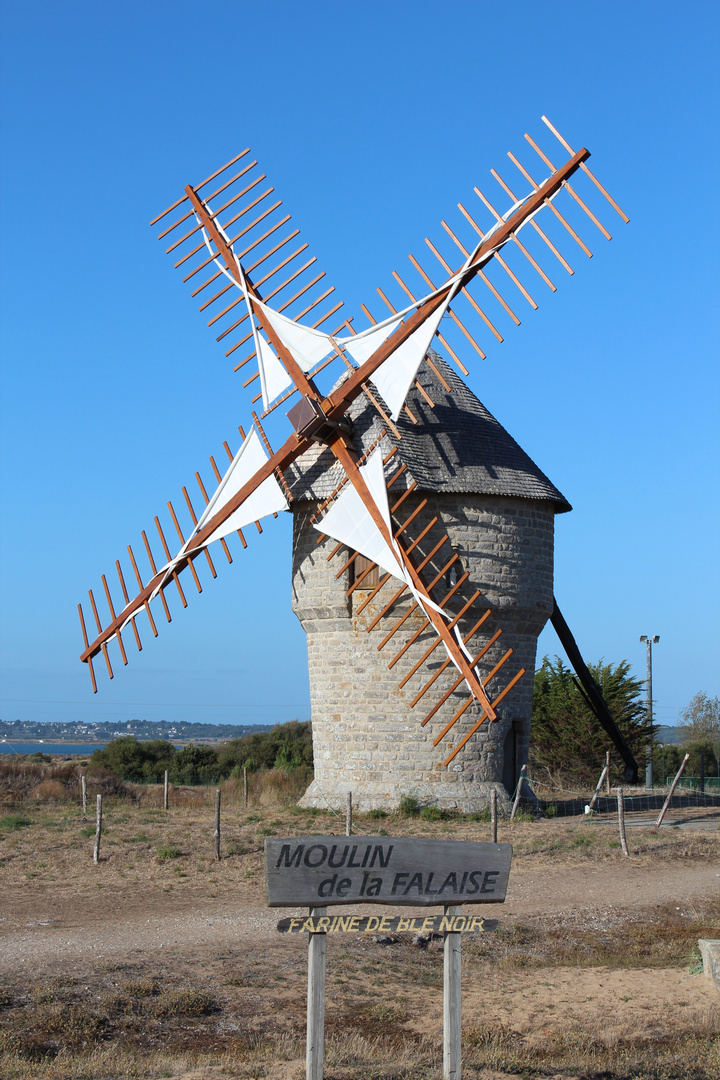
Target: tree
pixel 565 734
pixel 700 719
pixel 195 764
pixel 285 746
pixel 134 760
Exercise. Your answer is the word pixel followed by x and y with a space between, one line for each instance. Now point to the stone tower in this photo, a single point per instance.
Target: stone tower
pixel 460 472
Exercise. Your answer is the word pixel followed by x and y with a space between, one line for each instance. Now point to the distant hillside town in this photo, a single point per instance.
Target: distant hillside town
pixel 77 732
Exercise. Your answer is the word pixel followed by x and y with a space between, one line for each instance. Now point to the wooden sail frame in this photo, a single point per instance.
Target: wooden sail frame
pixel 209 243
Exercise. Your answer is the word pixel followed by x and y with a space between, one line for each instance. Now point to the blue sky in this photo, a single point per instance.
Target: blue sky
pixel 372 121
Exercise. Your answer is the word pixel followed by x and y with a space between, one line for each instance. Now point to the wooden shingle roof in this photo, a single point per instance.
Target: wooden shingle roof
pixel 457 446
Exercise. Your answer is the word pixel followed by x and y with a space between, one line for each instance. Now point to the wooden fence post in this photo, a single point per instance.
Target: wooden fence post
pixel 493 816
pixel 621 820
pixel 83 788
pixel 98 830
pixel 603 774
pixel 678 774
pixel 315 1051
pixel 245 785
pixel 216 834
pixel 348 815
pixel 452 963
pixel 607 774
pixel 518 792
pixel 165 793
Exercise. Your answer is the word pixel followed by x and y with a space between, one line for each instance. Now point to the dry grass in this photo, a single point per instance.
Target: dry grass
pixel 201 1014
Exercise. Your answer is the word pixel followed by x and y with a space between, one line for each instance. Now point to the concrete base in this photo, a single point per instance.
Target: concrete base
pixel 710 952
pixel 374 796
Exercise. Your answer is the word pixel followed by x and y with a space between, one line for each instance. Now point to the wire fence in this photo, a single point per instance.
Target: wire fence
pixel 689 801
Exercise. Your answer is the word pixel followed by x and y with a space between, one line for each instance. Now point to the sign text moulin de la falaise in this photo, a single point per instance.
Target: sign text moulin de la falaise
pixel 318 871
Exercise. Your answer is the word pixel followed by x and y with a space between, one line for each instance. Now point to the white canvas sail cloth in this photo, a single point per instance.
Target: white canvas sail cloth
pixel 396 375
pixel 267 498
pixel 349 521
pixel 309 346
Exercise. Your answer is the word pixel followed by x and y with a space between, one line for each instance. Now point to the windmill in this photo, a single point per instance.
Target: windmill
pixel 351 407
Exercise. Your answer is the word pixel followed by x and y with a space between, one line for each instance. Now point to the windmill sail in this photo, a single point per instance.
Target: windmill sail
pixel 234 245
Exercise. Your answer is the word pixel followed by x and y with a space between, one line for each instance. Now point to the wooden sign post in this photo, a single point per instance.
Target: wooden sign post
pixel 320 871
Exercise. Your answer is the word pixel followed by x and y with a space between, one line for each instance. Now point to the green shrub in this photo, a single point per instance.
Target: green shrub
pixel 14 821
pixel 376 814
pixel 167 851
pixel 409 806
pixel 130 759
pixel 432 813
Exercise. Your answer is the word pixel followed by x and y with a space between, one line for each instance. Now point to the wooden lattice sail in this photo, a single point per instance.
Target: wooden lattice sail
pixel 293 344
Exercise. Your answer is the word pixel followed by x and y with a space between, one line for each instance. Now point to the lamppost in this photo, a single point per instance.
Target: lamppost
pixel 649 641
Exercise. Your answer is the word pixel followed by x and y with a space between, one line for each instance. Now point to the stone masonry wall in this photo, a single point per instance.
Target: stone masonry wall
pixel 366 737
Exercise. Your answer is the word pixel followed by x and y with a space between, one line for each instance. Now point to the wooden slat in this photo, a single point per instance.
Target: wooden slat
pixel 191 565
pixel 497 701
pixel 585 169
pixel 448 270
pixel 168 556
pixel 110 604
pixel 218 477
pixel 431 649
pixel 243 232
pixel 191 511
pixel 445 664
pixel 413 607
pixel 221 210
pixel 460 711
pixel 517 241
pixel 212 195
pixel 421 566
pixel 87 646
pixel 154 570
pixel 452 314
pixel 438 335
pixel 497 256
pixel 246 251
pixel 141 587
pixel 570 190
pixel 481 274
pixel 99 627
pixel 533 262
pixel 423 627
pixel 204 494
pixel 534 223
pixel 551 205
pixel 460 679
pixel 133 621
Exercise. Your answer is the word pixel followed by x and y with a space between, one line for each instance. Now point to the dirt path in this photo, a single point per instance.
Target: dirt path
pixel 54 929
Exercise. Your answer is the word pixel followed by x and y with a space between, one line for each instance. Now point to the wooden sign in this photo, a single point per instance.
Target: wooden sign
pixel 384 924
pixel 316 871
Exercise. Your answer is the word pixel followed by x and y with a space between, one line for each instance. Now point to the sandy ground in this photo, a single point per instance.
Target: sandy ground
pixel 194 921
pixel 40 928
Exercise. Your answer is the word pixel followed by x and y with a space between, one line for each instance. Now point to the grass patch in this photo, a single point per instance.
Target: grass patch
pixel 12 822
pixel 168 851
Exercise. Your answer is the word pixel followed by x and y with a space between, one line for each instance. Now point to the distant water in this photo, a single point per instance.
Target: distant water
pixel 49 748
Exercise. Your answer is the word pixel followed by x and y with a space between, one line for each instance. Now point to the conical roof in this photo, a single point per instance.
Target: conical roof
pixel 456 446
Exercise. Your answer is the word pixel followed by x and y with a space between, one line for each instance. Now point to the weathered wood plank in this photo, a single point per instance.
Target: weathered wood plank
pixel 319 870
pixel 452 963
pixel 315 1048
